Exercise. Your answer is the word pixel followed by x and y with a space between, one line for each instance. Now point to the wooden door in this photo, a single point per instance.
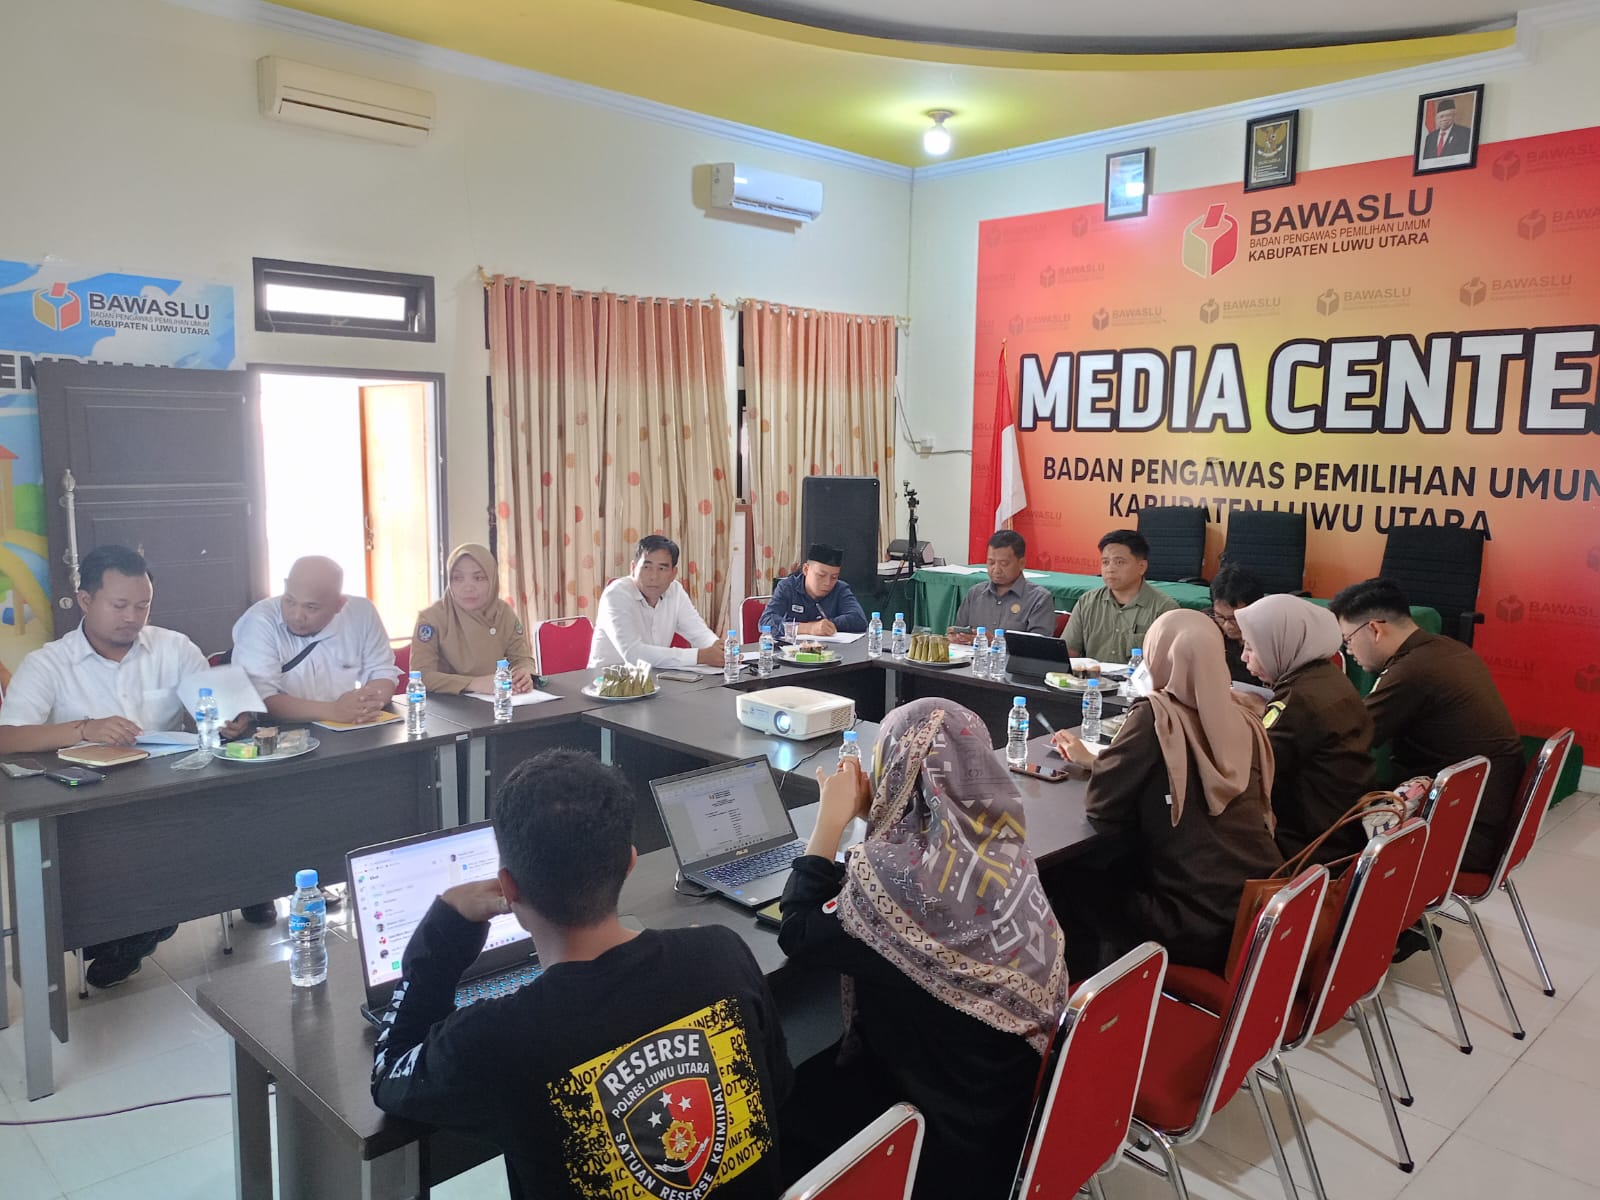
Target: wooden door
pixel 165 461
pixel 395 457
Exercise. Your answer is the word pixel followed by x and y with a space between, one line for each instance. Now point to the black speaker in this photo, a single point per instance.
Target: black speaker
pixel 842 511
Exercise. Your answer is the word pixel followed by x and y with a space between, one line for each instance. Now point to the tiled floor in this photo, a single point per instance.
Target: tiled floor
pixel 1511 1119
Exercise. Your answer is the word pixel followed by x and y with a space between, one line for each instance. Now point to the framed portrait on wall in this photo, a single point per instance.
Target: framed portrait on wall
pixel 1127 184
pixel 1270 147
pixel 1448 125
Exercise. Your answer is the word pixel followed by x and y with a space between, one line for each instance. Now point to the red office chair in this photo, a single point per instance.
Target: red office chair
pixel 1472 888
pixel 1374 913
pixel 1450 809
pixel 1061 622
pixel 562 644
pixel 879 1163
pixel 1199 1059
pixel 402 660
pixel 1080 1116
pixel 750 619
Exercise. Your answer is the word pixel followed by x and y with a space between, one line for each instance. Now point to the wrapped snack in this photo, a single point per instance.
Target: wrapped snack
pixel 292 741
pixel 625 679
pixel 267 741
pixel 240 750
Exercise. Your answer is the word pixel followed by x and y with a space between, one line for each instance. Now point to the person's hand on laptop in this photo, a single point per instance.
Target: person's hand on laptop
pixel 846 795
pixel 477 901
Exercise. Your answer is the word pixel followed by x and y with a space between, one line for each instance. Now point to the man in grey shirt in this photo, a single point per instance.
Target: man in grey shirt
pixel 1007 601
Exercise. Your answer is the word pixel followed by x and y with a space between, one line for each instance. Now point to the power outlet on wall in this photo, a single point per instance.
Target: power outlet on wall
pixel 924 446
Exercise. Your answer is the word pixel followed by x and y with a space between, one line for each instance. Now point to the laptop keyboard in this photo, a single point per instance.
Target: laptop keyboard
pixel 492 987
pixel 739 871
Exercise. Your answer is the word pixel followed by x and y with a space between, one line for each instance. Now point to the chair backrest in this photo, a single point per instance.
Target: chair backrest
pixel 1533 800
pixel 219 658
pixel 1369 925
pixel 879 1163
pixel 1270 545
pixel 562 644
pixel 1091 1076
pixel 1450 810
pixel 1061 622
pixel 402 662
pixel 1177 537
pixel 750 618
pixel 1438 567
pixel 1263 990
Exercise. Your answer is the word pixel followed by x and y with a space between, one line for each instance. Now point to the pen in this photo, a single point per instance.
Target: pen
pixel 1043 720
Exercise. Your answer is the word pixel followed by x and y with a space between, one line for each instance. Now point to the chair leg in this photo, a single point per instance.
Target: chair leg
pixel 83 976
pixel 227 932
pixel 1447 987
pixel 1527 935
pixel 1402 1086
pixel 1169 1158
pixel 1097 1190
pixel 1517 1031
pixel 1259 1095
pixel 1297 1119
pixel 1402 1151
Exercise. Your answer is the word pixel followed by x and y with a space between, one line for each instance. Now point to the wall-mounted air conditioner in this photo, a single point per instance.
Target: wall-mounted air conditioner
pixel 750 189
pixel 343 103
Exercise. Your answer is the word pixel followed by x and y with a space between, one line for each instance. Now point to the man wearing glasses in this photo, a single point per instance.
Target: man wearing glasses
pixel 1435 703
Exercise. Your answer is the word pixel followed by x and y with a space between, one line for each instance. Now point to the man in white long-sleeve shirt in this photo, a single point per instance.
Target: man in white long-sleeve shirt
pixel 640 613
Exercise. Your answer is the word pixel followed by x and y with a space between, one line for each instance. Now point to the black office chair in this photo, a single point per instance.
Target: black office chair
pixel 1438 568
pixel 1177 537
pixel 1270 545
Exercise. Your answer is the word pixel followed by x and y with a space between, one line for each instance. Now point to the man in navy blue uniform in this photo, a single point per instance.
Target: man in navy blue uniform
pixel 815 597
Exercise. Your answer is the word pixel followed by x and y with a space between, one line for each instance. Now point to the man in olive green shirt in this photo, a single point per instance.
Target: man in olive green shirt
pixel 1111 620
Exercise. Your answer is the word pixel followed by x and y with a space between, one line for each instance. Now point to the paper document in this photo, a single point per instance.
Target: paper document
pixel 842 639
pixel 151 738
pixel 948 570
pixel 518 699
pixel 230 688
pixel 1036 574
pixel 161 750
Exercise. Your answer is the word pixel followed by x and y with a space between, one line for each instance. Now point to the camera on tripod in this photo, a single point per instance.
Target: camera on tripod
pixel 908 549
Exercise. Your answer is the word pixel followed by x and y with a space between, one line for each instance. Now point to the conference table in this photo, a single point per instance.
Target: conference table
pixel 315 1046
pixel 151 846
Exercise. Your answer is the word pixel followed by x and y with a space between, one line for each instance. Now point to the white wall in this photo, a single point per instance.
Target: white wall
pixel 141 149
pixel 1553 90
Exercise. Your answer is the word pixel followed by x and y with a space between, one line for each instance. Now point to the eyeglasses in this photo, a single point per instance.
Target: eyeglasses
pixel 1344 642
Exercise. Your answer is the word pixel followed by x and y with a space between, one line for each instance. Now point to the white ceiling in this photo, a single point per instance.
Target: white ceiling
pixel 1067 26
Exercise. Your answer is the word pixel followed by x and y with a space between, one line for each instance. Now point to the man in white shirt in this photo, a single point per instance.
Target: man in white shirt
pixel 106 681
pixel 640 614
pixel 314 653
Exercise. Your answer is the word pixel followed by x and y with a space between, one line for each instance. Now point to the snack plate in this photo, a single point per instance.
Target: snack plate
pixel 787 654
pixel 593 693
pixel 222 754
pixel 960 656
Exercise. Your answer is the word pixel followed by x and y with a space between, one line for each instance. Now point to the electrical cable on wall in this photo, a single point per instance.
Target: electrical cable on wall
pixel 912 441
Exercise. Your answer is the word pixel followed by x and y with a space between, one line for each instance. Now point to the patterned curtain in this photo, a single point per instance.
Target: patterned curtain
pixel 819 400
pixel 610 422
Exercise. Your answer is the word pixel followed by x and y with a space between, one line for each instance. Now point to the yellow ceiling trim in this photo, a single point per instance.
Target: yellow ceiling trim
pixel 1350 53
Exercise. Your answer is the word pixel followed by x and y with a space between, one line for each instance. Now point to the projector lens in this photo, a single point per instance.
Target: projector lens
pixel 781 722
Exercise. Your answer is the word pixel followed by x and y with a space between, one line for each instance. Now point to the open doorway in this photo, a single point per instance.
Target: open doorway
pixel 353 464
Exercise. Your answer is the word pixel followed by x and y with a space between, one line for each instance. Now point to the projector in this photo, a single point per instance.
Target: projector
pixel 795 712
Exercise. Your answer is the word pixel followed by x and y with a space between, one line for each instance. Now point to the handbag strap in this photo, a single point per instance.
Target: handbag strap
pixel 301 657
pixel 1372 801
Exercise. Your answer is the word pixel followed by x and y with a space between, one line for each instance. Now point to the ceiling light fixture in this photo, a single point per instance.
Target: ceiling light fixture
pixel 936 139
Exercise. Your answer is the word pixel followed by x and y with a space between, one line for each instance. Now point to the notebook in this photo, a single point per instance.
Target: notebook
pixel 93 755
pixel 729 829
pixel 393 884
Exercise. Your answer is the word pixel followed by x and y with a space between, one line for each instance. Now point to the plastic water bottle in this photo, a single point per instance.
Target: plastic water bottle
pixel 308 923
pixel 850 749
pixel 1017 732
pixel 207 722
pixel 900 645
pixel 732 649
pixel 998 655
pixel 980 652
pixel 502 691
pixel 416 706
pixel 768 648
pixel 1135 661
pixel 1091 711
pixel 875 636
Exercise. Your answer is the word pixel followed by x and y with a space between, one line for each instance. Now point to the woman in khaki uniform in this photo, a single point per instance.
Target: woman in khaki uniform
pixel 458 641
pixel 1317 722
pixel 1187 780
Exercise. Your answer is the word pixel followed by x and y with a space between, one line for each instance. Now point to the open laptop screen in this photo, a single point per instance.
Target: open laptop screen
pixel 721 810
pixel 393 885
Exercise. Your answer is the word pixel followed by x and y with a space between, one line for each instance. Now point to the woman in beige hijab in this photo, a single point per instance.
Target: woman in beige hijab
pixel 458 641
pixel 1187 781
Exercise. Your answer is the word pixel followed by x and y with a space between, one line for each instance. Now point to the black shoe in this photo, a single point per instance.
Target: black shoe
pixel 264 914
pixel 112 969
pixel 1412 941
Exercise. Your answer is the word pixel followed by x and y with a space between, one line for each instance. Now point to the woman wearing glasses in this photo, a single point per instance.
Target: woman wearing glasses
pixel 1231 589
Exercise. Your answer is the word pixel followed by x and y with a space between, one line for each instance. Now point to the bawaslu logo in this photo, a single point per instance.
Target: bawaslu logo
pixel 57 307
pixel 1211 241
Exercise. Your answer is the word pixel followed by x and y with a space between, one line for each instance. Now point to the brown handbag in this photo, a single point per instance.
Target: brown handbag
pixel 1257 892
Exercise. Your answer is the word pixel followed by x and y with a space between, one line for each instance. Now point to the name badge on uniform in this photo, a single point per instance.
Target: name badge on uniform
pixel 799 608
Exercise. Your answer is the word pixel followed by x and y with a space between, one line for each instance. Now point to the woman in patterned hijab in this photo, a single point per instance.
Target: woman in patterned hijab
pixel 951 956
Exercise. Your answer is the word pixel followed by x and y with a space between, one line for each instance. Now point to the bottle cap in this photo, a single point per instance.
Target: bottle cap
pixel 877 616
pixel 899 616
pixel 984 629
pixel 204 692
pixel 766 629
pixel 501 663
pixel 733 633
pixel 1136 653
pixel 417 675
pixel 1019 701
pixel 1092 683
pixel 306 878
pixel 849 736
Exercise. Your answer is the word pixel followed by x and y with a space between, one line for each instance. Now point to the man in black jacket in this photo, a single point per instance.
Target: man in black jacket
pixel 651 1063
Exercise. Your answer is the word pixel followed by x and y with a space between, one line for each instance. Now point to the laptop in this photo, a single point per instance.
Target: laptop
pixel 1035 654
pixel 392 886
pixel 729 829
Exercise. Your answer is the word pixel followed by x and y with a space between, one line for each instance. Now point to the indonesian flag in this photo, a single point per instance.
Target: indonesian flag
pixel 1005 464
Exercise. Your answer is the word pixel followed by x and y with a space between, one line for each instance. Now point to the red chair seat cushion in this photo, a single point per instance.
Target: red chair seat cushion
pixel 1205 988
pixel 1183 1045
pixel 1472 884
